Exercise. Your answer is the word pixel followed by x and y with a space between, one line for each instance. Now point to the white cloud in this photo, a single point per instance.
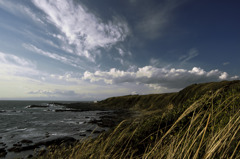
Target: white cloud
pixel 14 65
pixel 56 92
pixel 51 43
pixel 82 29
pixel 31 14
pixel 14 68
pixel 120 60
pixel 191 54
pixel 234 77
pixel 20 79
pixel 158 78
pixel 199 71
pixel 226 63
pixel 66 78
pixel 154 86
pixel 18 9
pixel 69 60
pixel 223 76
pixel 121 52
pixel 154 62
pixel 134 93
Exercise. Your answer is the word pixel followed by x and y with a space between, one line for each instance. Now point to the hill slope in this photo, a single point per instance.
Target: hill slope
pixel 160 101
pixel 201 121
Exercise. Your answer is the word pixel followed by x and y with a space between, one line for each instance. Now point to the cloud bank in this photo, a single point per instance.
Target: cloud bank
pixel 56 92
pixel 82 30
pixel 158 77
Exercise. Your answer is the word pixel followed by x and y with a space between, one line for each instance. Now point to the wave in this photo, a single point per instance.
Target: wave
pixel 37 106
pixel 3 111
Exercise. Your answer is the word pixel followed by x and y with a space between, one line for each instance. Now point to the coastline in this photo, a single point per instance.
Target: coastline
pixel 184 124
pixel 160 125
pixel 108 118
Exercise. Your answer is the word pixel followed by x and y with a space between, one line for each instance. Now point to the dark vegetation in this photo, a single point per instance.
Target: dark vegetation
pixel 201 121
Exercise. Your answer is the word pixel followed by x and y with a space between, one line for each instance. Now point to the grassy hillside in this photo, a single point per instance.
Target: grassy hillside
pixel 159 101
pixel 201 121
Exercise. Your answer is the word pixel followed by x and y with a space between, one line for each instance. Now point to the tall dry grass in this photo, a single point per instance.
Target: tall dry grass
pixel 207 135
pixel 207 128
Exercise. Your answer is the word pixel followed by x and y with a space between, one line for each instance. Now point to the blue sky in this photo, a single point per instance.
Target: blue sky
pixel 91 50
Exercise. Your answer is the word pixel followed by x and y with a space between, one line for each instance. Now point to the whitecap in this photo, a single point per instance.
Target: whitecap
pixel 28 106
pixel 2 111
pixel 21 129
pixel 81 122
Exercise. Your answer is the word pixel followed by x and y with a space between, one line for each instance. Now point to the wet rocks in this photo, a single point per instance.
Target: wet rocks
pixel 69 110
pixel 25 141
pixel 30 156
pixel 95 131
pixel 98 131
pixel 37 106
pixel 17 145
pixel 22 146
pixel 111 119
pixel 95 121
pixel 64 140
pixel 82 135
pixel 15 149
pixel 3 152
pixel 106 121
pixel 3 145
pixel 89 130
pixel 47 135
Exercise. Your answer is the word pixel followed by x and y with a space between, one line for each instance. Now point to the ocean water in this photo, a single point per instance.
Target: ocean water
pixel 19 122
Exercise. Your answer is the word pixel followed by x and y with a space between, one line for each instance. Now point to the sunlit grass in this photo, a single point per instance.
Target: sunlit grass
pixel 203 126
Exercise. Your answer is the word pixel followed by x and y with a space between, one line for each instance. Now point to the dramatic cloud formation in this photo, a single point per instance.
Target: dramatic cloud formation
pixel 82 29
pixel 85 49
pixel 158 77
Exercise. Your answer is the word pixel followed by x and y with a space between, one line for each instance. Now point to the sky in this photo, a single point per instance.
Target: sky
pixel 81 50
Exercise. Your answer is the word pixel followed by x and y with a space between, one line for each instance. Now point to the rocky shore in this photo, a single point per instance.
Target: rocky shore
pixel 108 119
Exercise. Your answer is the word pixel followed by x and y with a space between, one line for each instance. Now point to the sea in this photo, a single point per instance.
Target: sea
pixel 19 121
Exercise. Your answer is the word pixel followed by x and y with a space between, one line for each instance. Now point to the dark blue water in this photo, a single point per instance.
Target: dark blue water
pixel 18 122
